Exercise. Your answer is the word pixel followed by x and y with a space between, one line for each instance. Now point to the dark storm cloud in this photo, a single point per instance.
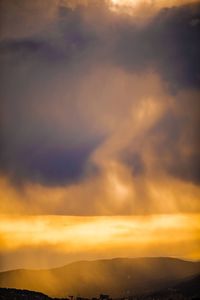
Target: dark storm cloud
pixel 179 139
pixel 47 165
pixel 44 139
pixel 44 135
pixel 173 142
pixel 31 49
pixel 170 44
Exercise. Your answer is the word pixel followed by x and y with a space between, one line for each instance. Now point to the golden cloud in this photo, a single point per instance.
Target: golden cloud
pixel 162 235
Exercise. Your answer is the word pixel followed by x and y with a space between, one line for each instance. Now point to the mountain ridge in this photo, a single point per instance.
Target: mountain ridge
pixel 116 277
pixel 102 260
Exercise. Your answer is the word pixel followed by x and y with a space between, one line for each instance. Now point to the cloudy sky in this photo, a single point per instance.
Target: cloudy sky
pixel 99 130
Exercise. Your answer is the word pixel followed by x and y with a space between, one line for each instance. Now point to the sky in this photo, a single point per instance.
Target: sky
pixel 99 130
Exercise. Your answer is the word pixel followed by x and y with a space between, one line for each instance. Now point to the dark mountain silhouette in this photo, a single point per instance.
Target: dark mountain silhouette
pixel 11 294
pixel 16 294
pixel 188 289
pixel 118 277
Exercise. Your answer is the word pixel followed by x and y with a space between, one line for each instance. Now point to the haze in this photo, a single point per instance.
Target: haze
pixel 99 133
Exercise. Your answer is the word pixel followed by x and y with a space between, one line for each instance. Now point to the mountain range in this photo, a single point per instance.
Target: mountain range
pixel 119 277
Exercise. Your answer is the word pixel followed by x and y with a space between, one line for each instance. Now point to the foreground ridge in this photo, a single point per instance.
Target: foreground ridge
pixel 186 290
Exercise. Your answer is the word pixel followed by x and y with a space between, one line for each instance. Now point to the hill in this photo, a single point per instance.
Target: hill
pixel 118 277
pixel 186 290
pixel 189 287
pixel 10 294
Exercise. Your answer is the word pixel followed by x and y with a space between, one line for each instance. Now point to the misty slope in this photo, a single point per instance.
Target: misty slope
pixel 116 277
pixel 187 289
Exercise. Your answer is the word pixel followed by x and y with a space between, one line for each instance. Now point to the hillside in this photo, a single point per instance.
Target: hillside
pixel 189 287
pixel 10 294
pixel 186 290
pixel 116 277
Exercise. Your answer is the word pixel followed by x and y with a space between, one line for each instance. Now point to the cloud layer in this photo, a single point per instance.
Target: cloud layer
pixel 99 112
pixel 49 241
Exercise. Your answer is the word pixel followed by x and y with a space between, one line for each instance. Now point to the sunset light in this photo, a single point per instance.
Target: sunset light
pixel 99 149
